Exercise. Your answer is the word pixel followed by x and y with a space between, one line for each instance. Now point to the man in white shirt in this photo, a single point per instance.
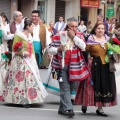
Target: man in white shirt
pixel 13 28
pixel 60 25
pixel 41 36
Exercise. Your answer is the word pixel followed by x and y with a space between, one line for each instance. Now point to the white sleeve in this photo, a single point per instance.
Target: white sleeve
pixel 6 36
pixel 48 39
pixel 52 50
pixel 79 42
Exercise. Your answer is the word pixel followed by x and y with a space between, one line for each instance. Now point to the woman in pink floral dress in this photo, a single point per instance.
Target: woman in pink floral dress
pixel 23 83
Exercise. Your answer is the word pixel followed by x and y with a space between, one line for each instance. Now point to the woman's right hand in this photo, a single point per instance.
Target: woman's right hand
pixel 26 54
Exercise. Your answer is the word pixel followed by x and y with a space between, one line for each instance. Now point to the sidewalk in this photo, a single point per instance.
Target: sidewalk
pixel 118 77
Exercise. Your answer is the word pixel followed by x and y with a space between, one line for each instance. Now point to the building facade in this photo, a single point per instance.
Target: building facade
pixel 50 10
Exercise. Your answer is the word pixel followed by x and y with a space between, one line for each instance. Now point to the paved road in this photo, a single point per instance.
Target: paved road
pixel 48 111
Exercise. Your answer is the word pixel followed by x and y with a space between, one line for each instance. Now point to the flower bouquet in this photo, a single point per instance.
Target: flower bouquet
pixel 18 47
pixel 7 56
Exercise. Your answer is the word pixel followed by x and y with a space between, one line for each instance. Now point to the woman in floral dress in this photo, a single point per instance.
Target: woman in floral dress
pixel 23 83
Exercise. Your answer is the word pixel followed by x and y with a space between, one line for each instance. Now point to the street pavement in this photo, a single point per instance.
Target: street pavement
pixel 48 111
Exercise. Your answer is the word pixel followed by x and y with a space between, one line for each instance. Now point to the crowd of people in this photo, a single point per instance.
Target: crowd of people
pixel 81 57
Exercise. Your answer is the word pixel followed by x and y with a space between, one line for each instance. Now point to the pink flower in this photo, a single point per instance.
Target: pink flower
pixel 32 93
pixel 19 76
pixel 27 73
pixel 15 90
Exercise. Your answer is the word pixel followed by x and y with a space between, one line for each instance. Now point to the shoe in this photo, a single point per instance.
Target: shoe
pixel 84 109
pixel 69 113
pixel 42 67
pixel 26 105
pixel 101 113
pixel 62 113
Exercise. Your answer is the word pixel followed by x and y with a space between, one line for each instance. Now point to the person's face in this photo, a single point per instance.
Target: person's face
pixel 3 19
pixel 82 23
pixel 61 19
pixel 41 22
pixel 100 30
pixel 99 18
pixel 73 26
pixel 19 17
pixel 35 18
pixel 52 25
pixel 114 21
pixel 30 28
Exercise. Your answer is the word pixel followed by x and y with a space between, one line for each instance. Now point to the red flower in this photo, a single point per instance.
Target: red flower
pixel 6 52
pixel 19 76
pixel 116 40
pixel 32 93
pixel 18 46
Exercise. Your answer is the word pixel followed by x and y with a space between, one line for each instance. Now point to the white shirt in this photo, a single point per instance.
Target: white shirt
pixel 60 25
pixel 19 28
pixel 36 35
pixel 82 28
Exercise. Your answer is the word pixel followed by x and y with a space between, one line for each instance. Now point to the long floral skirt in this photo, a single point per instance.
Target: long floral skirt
pixel 99 90
pixel 20 84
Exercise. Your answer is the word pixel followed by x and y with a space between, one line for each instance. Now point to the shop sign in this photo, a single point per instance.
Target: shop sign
pixel 110 11
pixel 90 3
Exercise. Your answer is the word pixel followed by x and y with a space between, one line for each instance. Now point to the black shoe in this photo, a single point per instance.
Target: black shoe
pixel 69 113
pixel 26 105
pixel 101 113
pixel 62 113
pixel 84 109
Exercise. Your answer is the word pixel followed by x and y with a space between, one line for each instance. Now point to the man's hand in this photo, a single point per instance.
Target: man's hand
pixel 71 34
pixel 61 48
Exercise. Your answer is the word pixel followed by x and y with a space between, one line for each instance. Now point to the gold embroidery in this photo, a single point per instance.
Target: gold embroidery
pixel 98 94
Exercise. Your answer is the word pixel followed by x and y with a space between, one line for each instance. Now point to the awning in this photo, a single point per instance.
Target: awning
pixel 90 3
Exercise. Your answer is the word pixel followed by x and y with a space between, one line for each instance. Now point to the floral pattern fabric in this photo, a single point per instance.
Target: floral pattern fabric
pixel 20 85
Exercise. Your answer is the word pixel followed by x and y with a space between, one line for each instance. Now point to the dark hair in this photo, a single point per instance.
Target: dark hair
pixel 3 15
pixel 27 22
pixel 36 11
